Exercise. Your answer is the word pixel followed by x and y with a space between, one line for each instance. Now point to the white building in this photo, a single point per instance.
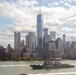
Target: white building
pixel 31 41
pixel 17 39
pixel 53 35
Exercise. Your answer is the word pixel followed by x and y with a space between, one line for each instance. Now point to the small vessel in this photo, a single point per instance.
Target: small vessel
pixel 51 65
pixel 23 74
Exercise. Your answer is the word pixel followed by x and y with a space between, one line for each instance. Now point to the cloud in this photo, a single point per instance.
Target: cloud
pixel 24 15
pixel 66 29
pixel 67 4
pixel 72 22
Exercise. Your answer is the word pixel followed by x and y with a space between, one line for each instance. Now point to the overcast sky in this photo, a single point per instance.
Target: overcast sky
pixel 20 15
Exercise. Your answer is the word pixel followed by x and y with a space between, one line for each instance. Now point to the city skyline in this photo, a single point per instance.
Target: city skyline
pixel 20 16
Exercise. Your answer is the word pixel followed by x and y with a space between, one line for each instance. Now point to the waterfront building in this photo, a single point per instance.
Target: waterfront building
pixel 17 39
pixel 40 30
pixel 53 35
pixel 2 52
pixel 16 54
pixel 9 48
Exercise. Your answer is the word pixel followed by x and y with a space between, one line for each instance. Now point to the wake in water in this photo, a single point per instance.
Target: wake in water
pixel 12 65
pixel 62 73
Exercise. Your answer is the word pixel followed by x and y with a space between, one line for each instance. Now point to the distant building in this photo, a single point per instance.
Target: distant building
pixel 31 41
pixel 21 44
pixel 59 45
pixel 64 41
pixel 46 39
pixel 52 45
pixel 73 45
pixel 16 54
pixel 45 31
pixel 2 52
pixel 73 49
pixel 27 41
pixel 40 30
pixel 9 48
pixel 53 35
pixel 68 49
pixel 17 39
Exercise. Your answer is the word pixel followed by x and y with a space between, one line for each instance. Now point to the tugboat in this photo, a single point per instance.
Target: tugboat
pixel 51 65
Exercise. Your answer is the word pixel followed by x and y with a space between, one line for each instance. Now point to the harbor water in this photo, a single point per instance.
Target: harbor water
pixel 18 67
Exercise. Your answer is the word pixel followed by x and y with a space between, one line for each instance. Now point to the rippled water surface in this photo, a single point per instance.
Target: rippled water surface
pixel 16 68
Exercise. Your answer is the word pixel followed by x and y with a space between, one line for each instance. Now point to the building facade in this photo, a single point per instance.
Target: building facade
pixel 17 39
pixel 53 35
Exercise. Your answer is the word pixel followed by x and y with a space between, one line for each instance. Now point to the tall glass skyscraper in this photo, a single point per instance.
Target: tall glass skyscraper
pixel 17 39
pixel 39 30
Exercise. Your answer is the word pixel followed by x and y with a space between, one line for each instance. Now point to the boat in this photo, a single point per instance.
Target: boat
pixel 51 65
pixel 23 74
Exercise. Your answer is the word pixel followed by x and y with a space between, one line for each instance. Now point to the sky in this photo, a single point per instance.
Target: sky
pixel 21 16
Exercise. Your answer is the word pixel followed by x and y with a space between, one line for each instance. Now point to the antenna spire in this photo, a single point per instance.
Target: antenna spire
pixel 40 9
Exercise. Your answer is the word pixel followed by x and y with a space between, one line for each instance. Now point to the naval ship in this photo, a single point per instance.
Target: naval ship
pixel 52 65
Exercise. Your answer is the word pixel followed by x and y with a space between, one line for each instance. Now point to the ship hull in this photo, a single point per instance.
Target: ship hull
pixel 37 66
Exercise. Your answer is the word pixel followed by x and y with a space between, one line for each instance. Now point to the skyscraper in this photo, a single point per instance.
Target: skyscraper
pixel 17 38
pixel 45 31
pixel 40 30
pixel 30 41
pixel 64 42
pixel 53 35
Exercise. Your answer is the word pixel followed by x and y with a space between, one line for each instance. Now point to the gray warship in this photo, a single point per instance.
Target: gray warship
pixel 52 65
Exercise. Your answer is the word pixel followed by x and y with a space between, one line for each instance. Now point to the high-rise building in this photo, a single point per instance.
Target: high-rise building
pixel 47 38
pixel 27 41
pixel 31 41
pixel 64 42
pixel 53 35
pixel 17 39
pixel 40 30
pixel 45 31
pixel 59 45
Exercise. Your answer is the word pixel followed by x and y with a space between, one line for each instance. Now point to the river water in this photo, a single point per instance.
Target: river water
pixel 16 68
